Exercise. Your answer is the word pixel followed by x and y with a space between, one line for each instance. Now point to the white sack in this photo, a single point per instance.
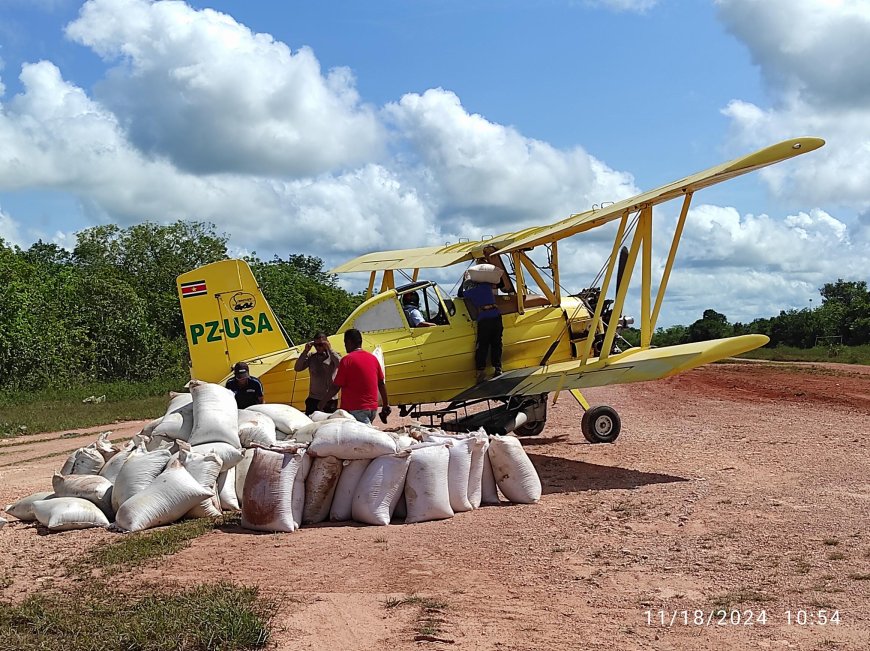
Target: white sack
pixel 177 425
pixel 484 273
pixel 342 500
pixel 255 427
pixel 149 428
pixel 306 433
pixel 84 461
pixel 105 447
pixel 268 495
pixel 113 466
pixel 165 500
pixel 513 470
pixel 230 455
pixel 215 415
pixel 297 504
pixel 158 442
pixel 340 414
pixel 177 401
pixel 140 469
pixel 204 468
pixel 350 439
pixel 93 488
pixel 241 469
pixel 488 489
pixel 287 419
pixel 379 488
pixel 169 425
pixel 320 488
pixel 458 474
pixel 427 495
pixel 479 445
pixel 67 513
pixel 226 489
pixel 319 416
pixel 23 508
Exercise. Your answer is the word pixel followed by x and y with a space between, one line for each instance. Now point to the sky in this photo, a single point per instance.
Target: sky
pixel 340 128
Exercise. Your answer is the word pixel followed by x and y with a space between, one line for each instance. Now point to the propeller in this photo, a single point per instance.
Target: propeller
pixel 620 269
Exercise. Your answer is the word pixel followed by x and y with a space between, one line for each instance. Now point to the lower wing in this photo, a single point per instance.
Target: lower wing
pixel 633 365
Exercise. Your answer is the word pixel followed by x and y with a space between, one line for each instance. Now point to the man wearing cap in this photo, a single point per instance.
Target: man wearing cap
pixel 248 390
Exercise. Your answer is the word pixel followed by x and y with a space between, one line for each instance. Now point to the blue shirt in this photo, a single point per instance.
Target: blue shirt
pixel 247 396
pixel 480 296
pixel 415 316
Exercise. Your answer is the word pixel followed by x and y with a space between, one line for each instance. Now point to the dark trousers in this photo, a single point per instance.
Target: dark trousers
pixel 311 406
pixel 489 332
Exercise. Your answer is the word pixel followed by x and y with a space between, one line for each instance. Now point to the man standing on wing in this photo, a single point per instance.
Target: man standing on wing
pixel 360 378
pixel 322 366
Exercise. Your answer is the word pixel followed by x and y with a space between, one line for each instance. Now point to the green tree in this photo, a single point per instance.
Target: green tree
pixel 712 325
pixel 670 336
pixel 845 311
pixel 303 295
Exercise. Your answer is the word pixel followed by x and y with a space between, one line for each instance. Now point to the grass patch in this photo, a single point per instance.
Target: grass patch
pixel 137 548
pixel 860 576
pixel 50 410
pixel 218 616
pixel 831 542
pixel 841 354
pixel 836 556
pixel 430 618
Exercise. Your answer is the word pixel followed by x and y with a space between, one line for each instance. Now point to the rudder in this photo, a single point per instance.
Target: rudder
pixel 226 318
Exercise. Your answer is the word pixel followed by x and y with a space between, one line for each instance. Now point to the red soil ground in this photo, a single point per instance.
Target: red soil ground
pixel 743 485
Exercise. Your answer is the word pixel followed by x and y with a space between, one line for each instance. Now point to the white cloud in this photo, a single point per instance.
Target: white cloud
pixel 212 96
pixel 639 6
pixel 813 55
pixel 57 137
pixel 9 230
pixel 487 178
pixel 756 265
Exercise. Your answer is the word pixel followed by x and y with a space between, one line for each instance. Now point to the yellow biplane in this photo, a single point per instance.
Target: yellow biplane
pixel 553 341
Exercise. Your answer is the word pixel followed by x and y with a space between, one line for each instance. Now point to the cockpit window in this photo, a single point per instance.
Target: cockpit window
pixel 384 315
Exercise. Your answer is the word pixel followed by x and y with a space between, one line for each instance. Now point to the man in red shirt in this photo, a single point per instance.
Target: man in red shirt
pixel 360 378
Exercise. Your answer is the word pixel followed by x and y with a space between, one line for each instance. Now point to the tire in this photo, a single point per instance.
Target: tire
pixel 601 424
pixel 531 429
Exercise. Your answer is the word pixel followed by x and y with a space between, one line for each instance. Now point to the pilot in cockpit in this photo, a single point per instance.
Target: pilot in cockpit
pixel 411 307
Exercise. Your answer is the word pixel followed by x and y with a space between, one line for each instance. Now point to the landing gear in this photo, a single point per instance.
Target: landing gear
pixel 531 429
pixel 535 410
pixel 600 424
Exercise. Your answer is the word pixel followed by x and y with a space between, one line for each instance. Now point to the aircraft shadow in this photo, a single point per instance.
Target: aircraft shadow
pixel 560 475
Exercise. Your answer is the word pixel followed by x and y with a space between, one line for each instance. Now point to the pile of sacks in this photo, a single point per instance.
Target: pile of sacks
pixel 280 468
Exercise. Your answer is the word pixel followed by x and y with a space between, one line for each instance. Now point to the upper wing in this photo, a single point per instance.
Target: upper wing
pixel 592 218
pixel 450 254
pixel 634 365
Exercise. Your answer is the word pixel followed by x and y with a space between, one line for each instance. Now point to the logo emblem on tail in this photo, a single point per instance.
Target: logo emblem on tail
pixel 242 302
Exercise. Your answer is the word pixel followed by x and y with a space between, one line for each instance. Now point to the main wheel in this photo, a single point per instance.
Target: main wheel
pixel 531 429
pixel 600 424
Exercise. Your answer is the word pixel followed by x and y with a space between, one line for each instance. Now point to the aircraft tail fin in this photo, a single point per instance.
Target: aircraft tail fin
pixel 226 318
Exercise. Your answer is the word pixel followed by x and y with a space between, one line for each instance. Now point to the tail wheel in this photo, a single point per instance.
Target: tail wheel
pixel 531 429
pixel 600 424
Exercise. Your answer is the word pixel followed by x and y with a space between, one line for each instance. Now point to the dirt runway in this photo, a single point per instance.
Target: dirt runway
pixel 743 486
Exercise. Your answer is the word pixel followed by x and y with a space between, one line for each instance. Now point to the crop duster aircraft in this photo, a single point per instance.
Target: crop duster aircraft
pixel 553 341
